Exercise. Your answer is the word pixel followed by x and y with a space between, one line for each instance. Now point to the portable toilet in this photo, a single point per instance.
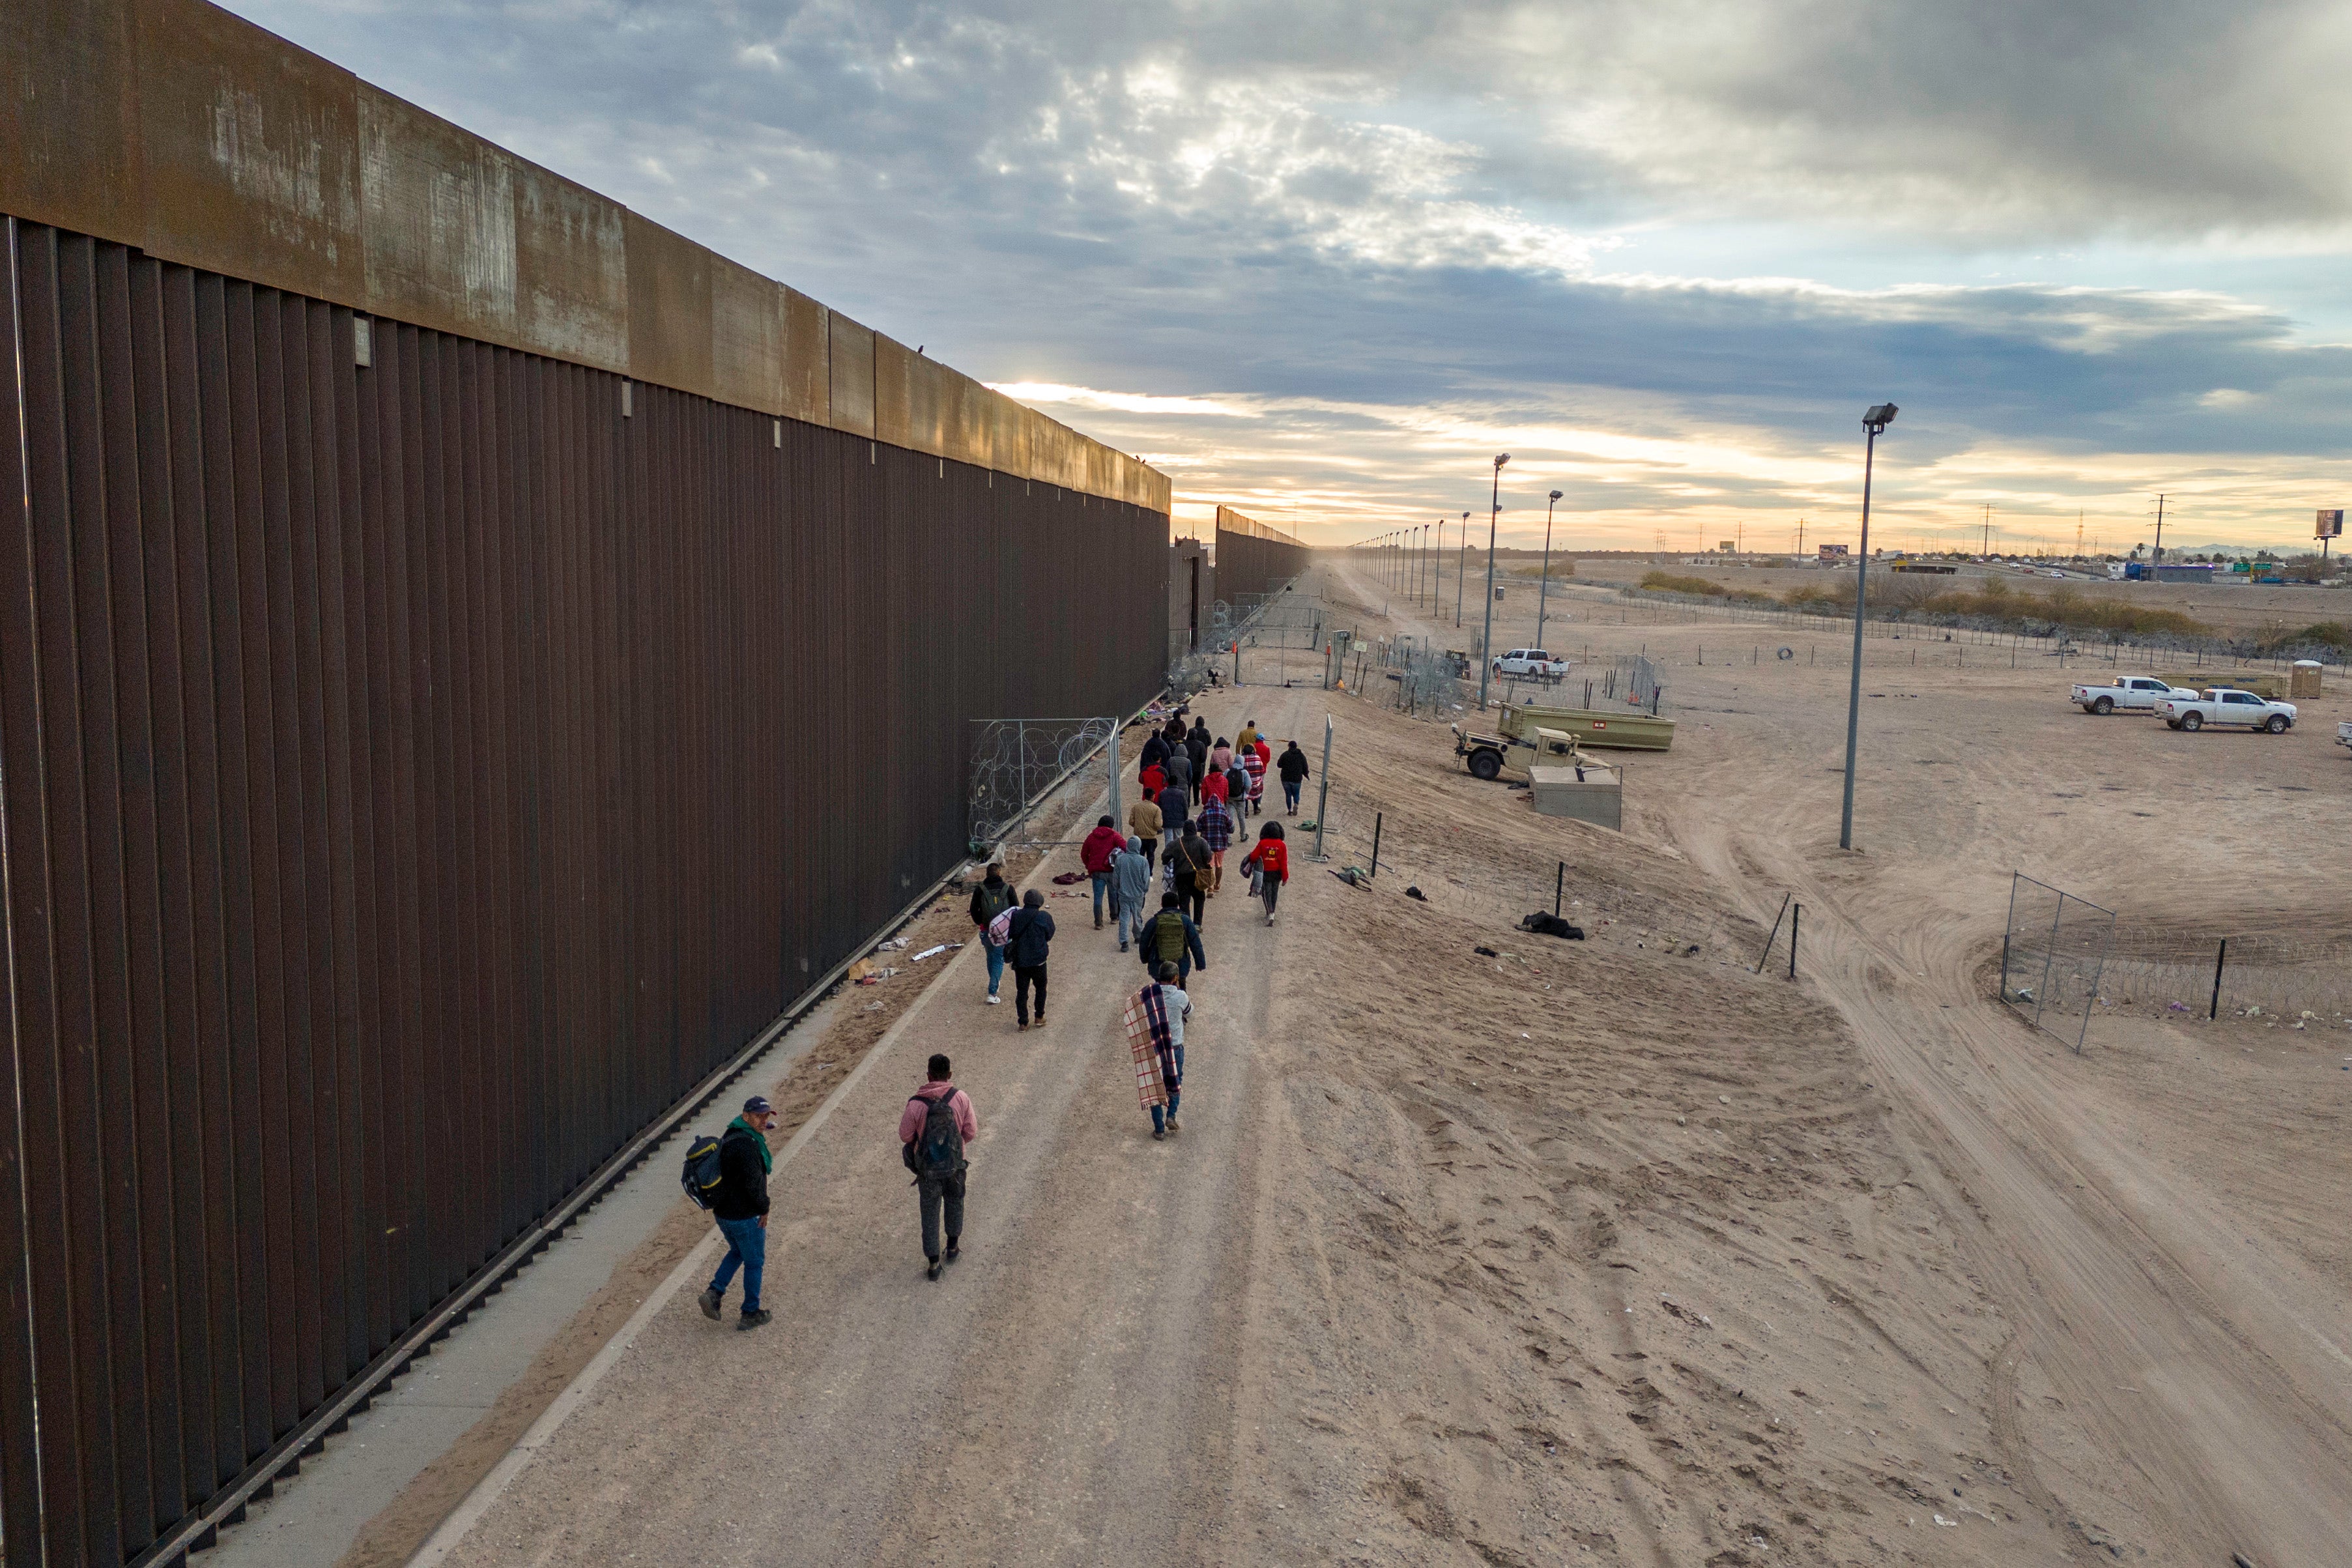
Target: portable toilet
pixel 2304 681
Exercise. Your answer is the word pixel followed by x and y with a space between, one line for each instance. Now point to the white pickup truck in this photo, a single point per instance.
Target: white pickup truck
pixel 2344 732
pixel 2226 705
pixel 1531 663
pixel 2132 694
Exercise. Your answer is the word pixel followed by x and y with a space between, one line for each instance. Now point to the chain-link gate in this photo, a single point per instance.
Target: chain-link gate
pixel 1017 762
pixel 2052 954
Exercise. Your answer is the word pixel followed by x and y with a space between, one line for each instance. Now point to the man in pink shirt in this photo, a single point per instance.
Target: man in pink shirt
pixel 933 1129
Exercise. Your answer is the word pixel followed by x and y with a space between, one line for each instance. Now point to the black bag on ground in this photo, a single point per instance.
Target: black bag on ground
pixel 1548 925
pixel 701 1175
pixel 937 1152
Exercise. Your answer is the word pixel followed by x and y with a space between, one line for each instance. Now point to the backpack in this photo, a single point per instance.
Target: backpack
pixel 701 1175
pixel 937 1151
pixel 999 930
pixel 1167 931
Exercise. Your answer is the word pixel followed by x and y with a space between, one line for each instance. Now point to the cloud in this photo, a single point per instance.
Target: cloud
pixel 1323 261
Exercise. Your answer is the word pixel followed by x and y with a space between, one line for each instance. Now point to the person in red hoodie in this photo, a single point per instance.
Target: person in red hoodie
pixel 1272 859
pixel 1152 780
pixel 1096 854
pixel 933 1129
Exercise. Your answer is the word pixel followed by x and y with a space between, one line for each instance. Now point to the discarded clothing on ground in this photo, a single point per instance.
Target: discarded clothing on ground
pixel 1068 877
pixel 1546 925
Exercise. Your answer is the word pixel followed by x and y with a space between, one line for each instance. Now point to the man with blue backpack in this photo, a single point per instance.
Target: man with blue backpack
pixel 933 1129
pixel 728 1177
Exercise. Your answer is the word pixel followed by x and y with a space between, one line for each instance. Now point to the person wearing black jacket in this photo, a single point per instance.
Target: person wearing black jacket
pixel 740 1208
pixel 991 898
pixel 1197 745
pixel 1025 949
pixel 1292 766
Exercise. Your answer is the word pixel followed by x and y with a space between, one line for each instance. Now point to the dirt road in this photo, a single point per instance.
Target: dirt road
pixel 1060 1396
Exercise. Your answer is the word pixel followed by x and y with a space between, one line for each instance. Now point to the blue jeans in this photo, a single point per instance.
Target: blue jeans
pixel 995 964
pixel 1101 880
pixel 1290 788
pixel 747 1249
pixel 1175 1095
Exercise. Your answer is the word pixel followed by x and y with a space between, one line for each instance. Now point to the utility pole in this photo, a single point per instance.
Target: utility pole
pixel 2154 561
pixel 1487 638
pixel 1800 538
pixel 1874 419
pixel 1462 571
pixel 2078 533
pixel 1987 547
pixel 1543 592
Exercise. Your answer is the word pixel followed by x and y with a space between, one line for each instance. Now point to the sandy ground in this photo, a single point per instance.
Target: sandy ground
pixel 1608 1251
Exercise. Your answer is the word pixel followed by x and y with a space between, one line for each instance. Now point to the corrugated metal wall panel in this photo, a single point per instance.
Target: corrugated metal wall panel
pixel 1249 564
pixel 417 779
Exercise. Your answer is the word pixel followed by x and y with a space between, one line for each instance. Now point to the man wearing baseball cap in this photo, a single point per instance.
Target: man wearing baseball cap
pixel 741 1206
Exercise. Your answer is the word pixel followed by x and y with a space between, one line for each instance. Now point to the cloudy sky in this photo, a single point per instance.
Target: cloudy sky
pixel 1321 261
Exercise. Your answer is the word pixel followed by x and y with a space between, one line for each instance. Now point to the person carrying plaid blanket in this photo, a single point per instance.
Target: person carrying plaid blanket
pixel 1254 761
pixel 1155 1043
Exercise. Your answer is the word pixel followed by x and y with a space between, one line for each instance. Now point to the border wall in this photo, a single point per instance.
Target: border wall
pixel 1192 596
pixel 1255 559
pixel 456 692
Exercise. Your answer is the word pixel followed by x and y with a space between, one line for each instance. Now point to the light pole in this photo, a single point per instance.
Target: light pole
pixel 1544 592
pixel 1487 638
pixel 1874 419
pixel 1462 570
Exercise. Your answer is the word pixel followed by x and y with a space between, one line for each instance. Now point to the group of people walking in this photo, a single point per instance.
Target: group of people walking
pixel 1197 793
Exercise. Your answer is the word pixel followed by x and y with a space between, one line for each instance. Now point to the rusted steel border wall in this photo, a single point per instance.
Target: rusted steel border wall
pixel 1253 558
pixel 1191 590
pixel 175 127
pixel 418 777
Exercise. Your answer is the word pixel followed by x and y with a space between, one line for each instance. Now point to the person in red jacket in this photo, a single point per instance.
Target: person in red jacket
pixel 1096 854
pixel 1272 859
pixel 1152 780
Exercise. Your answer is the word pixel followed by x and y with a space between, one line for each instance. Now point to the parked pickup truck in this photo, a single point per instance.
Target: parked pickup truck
pixel 1531 663
pixel 2344 732
pixel 2225 704
pixel 2133 693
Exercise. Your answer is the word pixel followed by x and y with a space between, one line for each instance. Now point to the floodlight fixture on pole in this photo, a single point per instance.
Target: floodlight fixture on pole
pixel 1487 638
pixel 1544 592
pixel 1875 419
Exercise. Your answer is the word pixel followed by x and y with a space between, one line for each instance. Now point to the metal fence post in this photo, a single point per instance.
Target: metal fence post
pixel 1795 910
pixel 2007 927
pixel 1116 725
pixel 1323 792
pixel 2219 958
pixel 1774 935
pixel 2041 991
pixel 1375 868
pixel 1558 885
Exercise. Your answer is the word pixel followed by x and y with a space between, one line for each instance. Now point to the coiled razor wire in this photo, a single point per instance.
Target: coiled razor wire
pixel 1016 762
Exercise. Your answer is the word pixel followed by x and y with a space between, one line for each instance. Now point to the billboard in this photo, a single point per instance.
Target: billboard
pixel 1728 547
pixel 2331 524
pixel 1830 552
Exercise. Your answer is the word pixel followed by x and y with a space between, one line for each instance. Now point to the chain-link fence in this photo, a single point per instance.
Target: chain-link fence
pixel 2051 954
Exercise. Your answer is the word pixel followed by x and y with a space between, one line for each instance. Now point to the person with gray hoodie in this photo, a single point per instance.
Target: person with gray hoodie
pixel 1130 885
